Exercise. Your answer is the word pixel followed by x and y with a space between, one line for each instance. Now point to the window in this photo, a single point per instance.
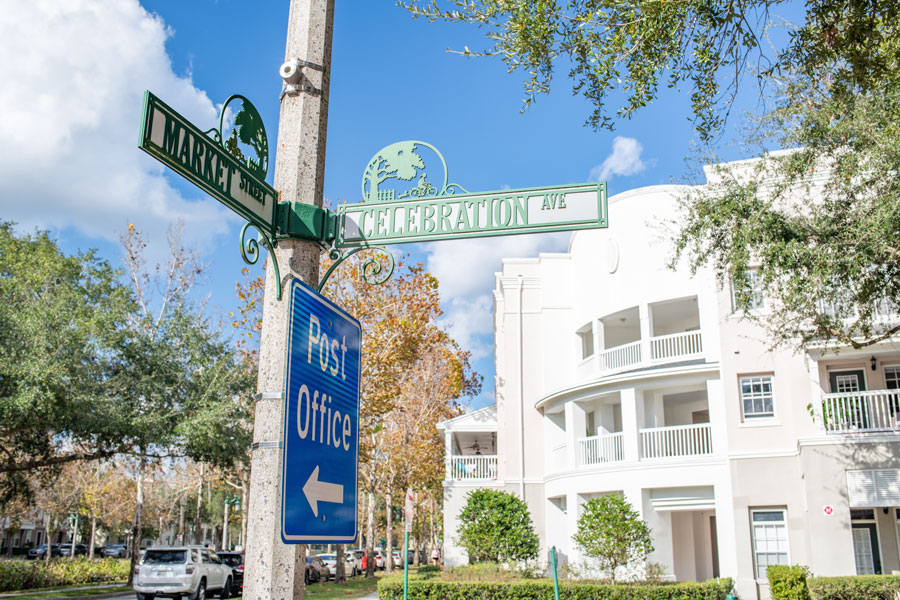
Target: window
pixel 752 292
pixel 586 338
pixel 892 378
pixel 757 397
pixel 770 541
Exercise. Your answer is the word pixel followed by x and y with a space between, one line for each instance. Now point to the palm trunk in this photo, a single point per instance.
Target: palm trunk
pixel 198 530
pixel 370 533
pixel 179 535
pixel 340 573
pixel 389 534
pixel 138 523
pixel 47 537
pixel 93 537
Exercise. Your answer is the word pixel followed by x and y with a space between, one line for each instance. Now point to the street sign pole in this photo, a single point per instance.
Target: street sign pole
pixel 278 569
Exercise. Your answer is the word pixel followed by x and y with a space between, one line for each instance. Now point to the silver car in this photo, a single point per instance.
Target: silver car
pixel 181 571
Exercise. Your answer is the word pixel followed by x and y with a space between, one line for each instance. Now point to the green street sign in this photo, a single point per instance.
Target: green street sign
pixel 408 197
pixel 216 165
pixel 483 214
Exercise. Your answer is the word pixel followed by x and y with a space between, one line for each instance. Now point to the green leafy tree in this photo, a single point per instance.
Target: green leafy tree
pixel 623 52
pixel 61 320
pixel 611 531
pixel 819 224
pixel 495 526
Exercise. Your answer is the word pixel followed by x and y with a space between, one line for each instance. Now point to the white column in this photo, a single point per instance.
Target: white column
pixel 448 451
pixel 646 331
pixel 660 524
pixel 575 424
pixel 655 413
pixel 632 421
pixel 715 400
pixel 815 394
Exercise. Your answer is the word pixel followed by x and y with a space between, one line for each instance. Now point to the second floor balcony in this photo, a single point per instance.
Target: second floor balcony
pixel 861 412
pixel 654 443
pixel 643 336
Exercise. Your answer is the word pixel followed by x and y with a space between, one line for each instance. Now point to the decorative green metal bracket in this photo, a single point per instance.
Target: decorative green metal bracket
pixel 371 270
pixel 250 251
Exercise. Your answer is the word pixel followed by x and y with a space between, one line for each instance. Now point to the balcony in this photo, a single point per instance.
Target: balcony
pixel 679 441
pixel 601 449
pixel 663 348
pixel 473 467
pixel 861 412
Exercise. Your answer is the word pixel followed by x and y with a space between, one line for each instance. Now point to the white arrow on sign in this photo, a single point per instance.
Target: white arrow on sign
pixel 319 491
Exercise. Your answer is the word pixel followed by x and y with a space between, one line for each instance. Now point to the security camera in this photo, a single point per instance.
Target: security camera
pixel 290 72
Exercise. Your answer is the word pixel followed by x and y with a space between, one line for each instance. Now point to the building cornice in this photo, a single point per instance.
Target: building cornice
pixel 617 381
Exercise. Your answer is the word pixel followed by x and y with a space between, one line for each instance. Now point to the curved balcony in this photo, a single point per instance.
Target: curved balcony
pixel 678 441
pixel 659 349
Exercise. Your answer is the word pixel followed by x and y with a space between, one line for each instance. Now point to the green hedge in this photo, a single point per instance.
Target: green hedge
pixel 788 583
pixel 860 587
pixel 391 588
pixel 27 575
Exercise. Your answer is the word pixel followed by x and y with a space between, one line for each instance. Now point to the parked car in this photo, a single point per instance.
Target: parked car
pixel 41 551
pixel 379 560
pixel 174 571
pixel 330 561
pixel 235 560
pixel 115 551
pixel 66 550
pixel 316 570
pixel 353 563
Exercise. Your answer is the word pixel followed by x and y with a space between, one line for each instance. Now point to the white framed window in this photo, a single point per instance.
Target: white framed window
pixel 892 377
pixel 770 539
pixel 586 340
pixel 753 292
pixel 757 396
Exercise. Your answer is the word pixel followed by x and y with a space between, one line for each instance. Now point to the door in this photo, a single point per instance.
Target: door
pixel 856 413
pixel 865 549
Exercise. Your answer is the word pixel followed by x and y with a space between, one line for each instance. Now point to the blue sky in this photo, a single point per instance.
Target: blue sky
pixel 69 160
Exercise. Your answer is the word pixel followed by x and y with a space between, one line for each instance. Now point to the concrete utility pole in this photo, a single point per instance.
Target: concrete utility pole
pixel 299 177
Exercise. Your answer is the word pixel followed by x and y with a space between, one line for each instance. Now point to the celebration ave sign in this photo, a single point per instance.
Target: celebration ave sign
pixel 420 211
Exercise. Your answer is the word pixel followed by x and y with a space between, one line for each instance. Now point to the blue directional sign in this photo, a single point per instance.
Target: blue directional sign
pixel 321 422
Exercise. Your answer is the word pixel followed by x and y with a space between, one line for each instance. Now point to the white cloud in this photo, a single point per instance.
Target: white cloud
pixel 625 159
pixel 73 80
pixel 465 270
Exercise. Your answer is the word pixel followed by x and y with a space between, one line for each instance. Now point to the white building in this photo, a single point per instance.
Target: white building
pixel 617 374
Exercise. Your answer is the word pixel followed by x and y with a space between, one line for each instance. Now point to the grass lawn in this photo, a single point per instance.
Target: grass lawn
pixel 73 593
pixel 355 587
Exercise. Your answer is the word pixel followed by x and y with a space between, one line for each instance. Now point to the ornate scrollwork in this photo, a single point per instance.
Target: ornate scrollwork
pixel 250 251
pixel 372 271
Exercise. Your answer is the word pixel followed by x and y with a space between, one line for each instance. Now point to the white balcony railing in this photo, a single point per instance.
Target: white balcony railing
pixel 681 440
pixel 601 449
pixel 852 412
pixel 676 345
pixel 479 466
pixel 661 348
pixel 620 356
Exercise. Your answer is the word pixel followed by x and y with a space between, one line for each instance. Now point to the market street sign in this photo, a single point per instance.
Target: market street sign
pixel 505 212
pixel 215 164
pixel 321 422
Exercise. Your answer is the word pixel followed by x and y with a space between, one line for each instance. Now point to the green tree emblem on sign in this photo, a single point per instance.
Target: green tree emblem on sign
pixel 401 171
pixel 247 130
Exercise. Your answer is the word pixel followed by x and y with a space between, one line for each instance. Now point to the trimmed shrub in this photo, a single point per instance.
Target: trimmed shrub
pixel 610 530
pixel 391 588
pixel 860 587
pixel 495 526
pixel 28 575
pixel 788 583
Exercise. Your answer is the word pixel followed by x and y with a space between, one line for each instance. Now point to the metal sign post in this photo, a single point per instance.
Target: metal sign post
pixel 410 514
pixel 321 422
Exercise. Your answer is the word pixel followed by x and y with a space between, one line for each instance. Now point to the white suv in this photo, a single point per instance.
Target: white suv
pixel 181 571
